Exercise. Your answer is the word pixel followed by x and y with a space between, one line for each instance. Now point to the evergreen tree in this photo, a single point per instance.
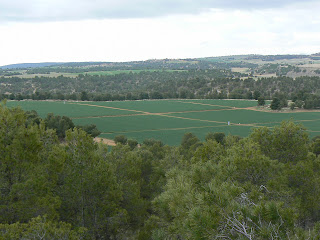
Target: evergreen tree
pixel 261 101
pixel 275 104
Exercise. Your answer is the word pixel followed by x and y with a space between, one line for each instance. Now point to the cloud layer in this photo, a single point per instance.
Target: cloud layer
pixel 62 10
pixel 123 30
pixel 212 33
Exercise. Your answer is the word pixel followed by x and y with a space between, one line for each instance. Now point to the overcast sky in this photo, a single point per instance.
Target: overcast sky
pixel 125 30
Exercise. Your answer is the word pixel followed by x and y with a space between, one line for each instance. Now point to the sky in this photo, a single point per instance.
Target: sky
pixel 132 30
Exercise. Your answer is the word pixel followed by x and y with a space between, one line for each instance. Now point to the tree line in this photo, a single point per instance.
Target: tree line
pixel 212 83
pixel 209 84
pixel 264 186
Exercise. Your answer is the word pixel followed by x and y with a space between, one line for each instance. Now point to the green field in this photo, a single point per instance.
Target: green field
pixel 168 120
pixel 72 110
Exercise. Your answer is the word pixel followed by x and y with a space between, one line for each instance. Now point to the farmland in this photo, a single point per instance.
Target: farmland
pixel 168 120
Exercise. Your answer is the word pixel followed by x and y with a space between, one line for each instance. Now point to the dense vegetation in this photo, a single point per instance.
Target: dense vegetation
pixel 265 186
pixel 60 124
pixel 211 84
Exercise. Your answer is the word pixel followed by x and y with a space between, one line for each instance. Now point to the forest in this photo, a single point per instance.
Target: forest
pixel 192 84
pixel 264 186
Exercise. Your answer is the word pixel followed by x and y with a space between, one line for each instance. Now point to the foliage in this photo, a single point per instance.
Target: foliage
pixel 287 143
pixel 244 191
pixel 121 139
pixel 261 101
pixel 40 228
pixel 89 190
pixel 90 129
pixel 58 123
pixel 275 104
pixel 132 143
pixel 217 136
pixel 26 179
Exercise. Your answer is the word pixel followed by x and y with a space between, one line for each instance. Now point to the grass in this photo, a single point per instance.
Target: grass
pixel 229 103
pixel 65 109
pixel 173 137
pixel 142 123
pixel 163 106
pixel 168 120
pixel 238 116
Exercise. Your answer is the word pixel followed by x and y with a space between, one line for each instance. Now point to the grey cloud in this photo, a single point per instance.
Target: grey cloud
pixel 60 10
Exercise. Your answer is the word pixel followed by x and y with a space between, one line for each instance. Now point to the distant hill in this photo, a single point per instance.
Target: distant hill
pixel 30 65
pixel 81 64
pixel 258 57
pixel 163 63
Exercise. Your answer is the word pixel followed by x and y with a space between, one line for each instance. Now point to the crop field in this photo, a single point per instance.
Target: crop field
pixel 168 120
pixel 65 109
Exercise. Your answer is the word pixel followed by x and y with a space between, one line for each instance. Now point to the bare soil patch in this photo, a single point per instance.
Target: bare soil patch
pixel 106 141
pixel 240 70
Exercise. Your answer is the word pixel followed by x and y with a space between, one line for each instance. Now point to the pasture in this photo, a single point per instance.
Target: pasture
pixel 168 120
